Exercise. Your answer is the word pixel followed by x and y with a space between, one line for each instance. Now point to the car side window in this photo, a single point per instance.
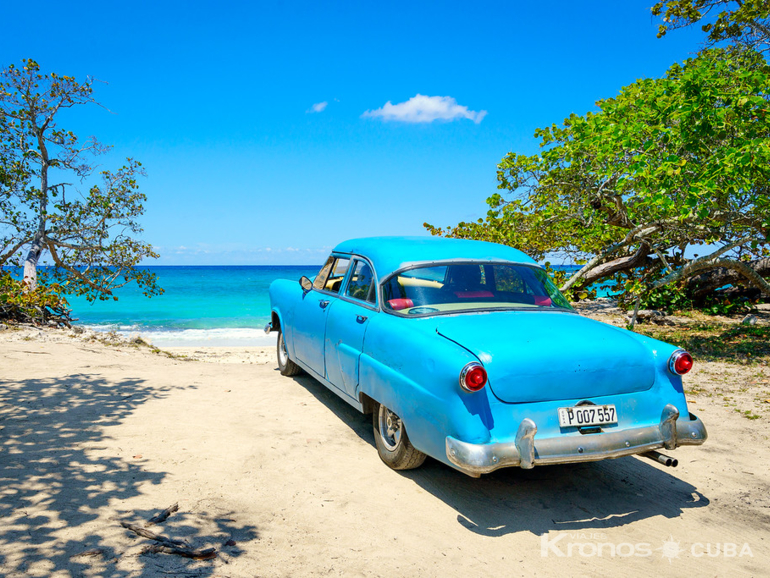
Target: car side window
pixel 361 284
pixel 331 275
pixel 337 275
pixel 323 274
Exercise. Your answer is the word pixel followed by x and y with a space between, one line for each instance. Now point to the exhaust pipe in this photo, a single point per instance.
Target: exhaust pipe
pixel 662 459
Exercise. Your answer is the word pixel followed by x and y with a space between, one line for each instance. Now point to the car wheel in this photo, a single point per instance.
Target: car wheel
pixel 286 366
pixel 392 441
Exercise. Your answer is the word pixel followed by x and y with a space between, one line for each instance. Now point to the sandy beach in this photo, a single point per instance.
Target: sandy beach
pixel 281 477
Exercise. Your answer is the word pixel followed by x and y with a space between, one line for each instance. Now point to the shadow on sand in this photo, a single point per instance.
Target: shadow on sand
pixel 571 497
pixel 59 478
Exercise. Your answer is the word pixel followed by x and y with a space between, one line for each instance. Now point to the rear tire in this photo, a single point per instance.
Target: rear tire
pixel 392 441
pixel 285 365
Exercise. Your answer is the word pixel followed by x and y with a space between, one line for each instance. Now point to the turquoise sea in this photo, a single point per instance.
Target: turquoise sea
pixel 201 306
pixel 212 306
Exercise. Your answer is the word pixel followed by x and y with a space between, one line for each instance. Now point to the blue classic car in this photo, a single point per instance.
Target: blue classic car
pixel 465 351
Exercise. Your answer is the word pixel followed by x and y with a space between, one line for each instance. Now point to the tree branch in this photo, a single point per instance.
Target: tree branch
pixel 713 261
pixel 638 231
pixel 75 272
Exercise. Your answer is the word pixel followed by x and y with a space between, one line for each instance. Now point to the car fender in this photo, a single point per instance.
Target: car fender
pixel 283 295
pixel 425 393
pixel 662 352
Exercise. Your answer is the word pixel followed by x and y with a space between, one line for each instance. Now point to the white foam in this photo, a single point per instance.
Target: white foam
pixel 220 337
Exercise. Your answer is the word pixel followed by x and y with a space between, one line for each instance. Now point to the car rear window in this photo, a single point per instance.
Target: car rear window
pixel 471 286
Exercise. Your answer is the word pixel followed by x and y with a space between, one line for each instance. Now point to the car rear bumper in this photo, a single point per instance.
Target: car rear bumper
pixel 528 451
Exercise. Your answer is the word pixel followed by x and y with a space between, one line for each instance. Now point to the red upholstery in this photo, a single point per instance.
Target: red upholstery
pixel 543 300
pixel 400 304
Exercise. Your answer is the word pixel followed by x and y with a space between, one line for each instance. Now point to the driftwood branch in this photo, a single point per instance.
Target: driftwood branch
pixel 206 554
pixel 162 516
pixel 169 545
pixel 152 535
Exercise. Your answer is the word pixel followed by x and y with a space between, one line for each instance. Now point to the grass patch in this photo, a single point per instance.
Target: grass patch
pixel 748 414
pixel 715 341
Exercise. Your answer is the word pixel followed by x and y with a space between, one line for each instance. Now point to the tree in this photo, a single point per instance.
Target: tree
pixel 89 235
pixel 745 22
pixel 668 164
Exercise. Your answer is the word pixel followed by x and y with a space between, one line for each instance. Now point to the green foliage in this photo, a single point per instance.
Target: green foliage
pixel 673 298
pixel 741 21
pixel 42 305
pixel 88 230
pixel 715 342
pixel 716 304
pixel 668 164
pixel 668 299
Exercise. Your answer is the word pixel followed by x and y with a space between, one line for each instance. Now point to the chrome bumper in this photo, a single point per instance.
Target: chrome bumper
pixel 527 451
pixel 269 328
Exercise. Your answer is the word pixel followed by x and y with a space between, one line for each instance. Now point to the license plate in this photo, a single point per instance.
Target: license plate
pixel 587 415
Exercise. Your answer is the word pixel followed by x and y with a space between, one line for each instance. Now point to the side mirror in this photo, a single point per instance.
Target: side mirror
pixel 306 284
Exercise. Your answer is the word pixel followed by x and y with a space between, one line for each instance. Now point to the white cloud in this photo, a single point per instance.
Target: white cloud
pixel 318 107
pixel 423 108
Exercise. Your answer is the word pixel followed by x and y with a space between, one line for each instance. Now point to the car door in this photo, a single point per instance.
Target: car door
pixel 346 327
pixel 311 314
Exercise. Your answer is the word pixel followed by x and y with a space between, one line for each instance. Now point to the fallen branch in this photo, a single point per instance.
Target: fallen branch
pixel 89 553
pixel 205 554
pixel 160 518
pixel 152 535
pixel 169 545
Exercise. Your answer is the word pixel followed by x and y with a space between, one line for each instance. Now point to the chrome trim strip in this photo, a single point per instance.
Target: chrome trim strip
pixel 527 450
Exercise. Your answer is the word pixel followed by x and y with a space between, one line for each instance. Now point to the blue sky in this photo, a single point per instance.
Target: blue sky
pixel 217 101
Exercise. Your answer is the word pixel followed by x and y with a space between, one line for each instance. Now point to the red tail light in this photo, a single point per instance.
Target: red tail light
pixel 473 377
pixel 680 362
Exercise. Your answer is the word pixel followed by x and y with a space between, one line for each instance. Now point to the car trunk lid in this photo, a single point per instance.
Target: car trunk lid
pixel 544 356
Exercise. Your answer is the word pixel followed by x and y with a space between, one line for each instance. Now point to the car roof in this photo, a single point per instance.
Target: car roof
pixel 390 254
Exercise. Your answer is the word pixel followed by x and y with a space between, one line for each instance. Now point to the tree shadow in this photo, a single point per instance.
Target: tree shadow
pixel 59 478
pixel 570 497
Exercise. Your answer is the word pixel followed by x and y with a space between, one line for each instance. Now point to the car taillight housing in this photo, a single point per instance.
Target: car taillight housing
pixel 473 377
pixel 680 362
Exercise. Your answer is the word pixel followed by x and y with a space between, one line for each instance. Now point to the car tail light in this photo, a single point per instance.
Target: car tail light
pixel 680 362
pixel 473 377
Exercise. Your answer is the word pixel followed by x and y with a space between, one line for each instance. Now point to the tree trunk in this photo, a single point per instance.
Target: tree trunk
pixel 30 265
pixel 708 282
pixel 38 243
pixel 639 258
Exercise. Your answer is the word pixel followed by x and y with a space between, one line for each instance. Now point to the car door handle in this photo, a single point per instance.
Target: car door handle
pixel 323 304
pixel 361 318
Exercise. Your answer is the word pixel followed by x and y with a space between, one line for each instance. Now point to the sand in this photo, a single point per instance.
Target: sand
pixel 282 478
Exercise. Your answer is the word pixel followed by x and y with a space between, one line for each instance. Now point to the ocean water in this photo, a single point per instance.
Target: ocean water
pixel 201 306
